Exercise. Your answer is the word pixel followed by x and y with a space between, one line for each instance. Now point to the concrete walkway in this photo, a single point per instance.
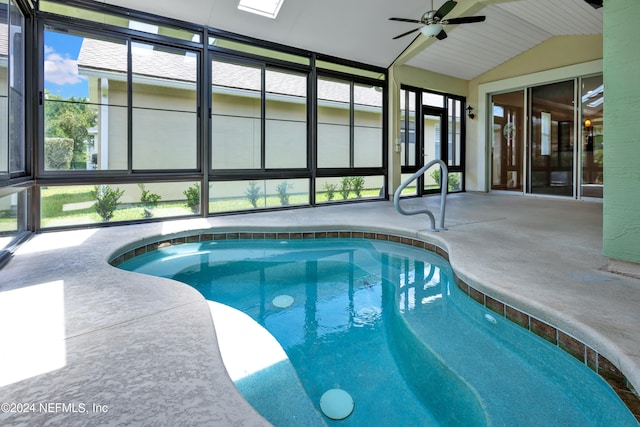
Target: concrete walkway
pixel 89 344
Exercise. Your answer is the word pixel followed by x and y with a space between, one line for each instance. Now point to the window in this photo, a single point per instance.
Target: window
pixel 72 205
pixel 13 198
pixel 436 133
pixel 122 117
pixel 552 139
pixel 454 149
pixel 335 189
pixel 407 128
pixel 286 120
pixel 592 147
pixel 334 123
pixel 116 20
pixel 12 90
pixel 85 102
pixel 236 115
pixel 228 196
pixel 252 49
pixel 349 124
pixel 87 110
pixel 164 108
pixel 258 116
pixel 367 123
pixel 13 218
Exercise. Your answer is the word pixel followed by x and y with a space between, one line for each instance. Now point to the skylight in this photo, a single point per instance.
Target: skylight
pixel 268 8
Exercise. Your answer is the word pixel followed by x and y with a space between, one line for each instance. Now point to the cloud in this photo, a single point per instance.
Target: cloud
pixel 60 70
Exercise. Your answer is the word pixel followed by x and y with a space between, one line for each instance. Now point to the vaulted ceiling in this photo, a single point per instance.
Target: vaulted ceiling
pixel 360 30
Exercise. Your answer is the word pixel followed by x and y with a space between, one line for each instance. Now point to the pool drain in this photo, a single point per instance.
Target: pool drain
pixel 336 404
pixel 283 301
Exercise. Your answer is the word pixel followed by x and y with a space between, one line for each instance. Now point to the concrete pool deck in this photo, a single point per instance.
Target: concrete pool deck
pixel 88 344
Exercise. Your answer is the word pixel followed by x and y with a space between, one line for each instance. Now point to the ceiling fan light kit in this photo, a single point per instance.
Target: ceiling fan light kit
pixel 431 30
pixel 433 23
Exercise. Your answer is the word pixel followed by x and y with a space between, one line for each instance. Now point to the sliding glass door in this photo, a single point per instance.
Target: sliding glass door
pixel 592 97
pixel 549 139
pixel 552 139
pixel 508 141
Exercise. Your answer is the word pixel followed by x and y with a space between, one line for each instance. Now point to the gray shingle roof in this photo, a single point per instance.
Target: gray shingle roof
pixel 100 55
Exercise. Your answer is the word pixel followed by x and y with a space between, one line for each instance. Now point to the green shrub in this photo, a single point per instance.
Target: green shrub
pixel 331 190
pixel 149 201
pixel 454 180
pixel 435 175
pixel 253 193
pixel 345 187
pixel 193 197
pixel 58 153
pixel 283 195
pixel 106 200
pixel 357 184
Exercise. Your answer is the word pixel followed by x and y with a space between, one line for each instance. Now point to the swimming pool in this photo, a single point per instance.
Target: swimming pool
pixel 387 323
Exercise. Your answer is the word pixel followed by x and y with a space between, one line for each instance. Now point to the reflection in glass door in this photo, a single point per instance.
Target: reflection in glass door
pixel 508 141
pixel 552 139
pixel 431 148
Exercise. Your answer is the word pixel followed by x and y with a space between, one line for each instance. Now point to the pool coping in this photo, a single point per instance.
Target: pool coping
pixel 581 351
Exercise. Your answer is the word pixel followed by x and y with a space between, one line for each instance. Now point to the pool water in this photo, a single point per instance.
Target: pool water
pixel 386 323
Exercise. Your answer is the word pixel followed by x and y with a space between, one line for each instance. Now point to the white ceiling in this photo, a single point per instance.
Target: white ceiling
pixel 359 30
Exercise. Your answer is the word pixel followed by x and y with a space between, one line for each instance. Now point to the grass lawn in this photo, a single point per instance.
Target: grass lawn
pixel 75 205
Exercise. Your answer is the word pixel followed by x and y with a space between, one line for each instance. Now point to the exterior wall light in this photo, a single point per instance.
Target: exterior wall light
pixel 470 112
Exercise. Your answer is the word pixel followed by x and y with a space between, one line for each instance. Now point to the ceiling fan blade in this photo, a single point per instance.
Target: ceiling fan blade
pixel 597 4
pixel 445 8
pixel 441 35
pixel 415 21
pixel 407 33
pixel 464 20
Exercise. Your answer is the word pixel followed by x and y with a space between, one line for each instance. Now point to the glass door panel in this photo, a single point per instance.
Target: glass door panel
pixel 508 141
pixel 592 136
pixel 552 139
pixel 409 152
pixel 431 149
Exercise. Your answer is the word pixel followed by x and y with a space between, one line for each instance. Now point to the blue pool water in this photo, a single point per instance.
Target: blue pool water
pixel 386 323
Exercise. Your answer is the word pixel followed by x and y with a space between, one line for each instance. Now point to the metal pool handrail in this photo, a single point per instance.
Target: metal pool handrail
pixel 443 197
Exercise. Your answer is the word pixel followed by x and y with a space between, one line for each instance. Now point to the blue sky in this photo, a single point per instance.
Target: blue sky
pixel 61 65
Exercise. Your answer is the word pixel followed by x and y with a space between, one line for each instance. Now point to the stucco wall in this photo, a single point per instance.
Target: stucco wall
pixel 621 230
pixel 423 79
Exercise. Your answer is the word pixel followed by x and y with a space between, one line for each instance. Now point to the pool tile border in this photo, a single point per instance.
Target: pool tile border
pixel 555 336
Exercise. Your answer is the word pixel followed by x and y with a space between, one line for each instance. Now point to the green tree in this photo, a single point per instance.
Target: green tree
pixel 69 118
pixel 106 200
pixel 58 153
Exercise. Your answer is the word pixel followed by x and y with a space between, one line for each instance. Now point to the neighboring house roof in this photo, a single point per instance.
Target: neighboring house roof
pixel 109 57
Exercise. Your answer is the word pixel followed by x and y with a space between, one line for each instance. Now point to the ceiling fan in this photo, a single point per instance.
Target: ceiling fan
pixel 433 21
